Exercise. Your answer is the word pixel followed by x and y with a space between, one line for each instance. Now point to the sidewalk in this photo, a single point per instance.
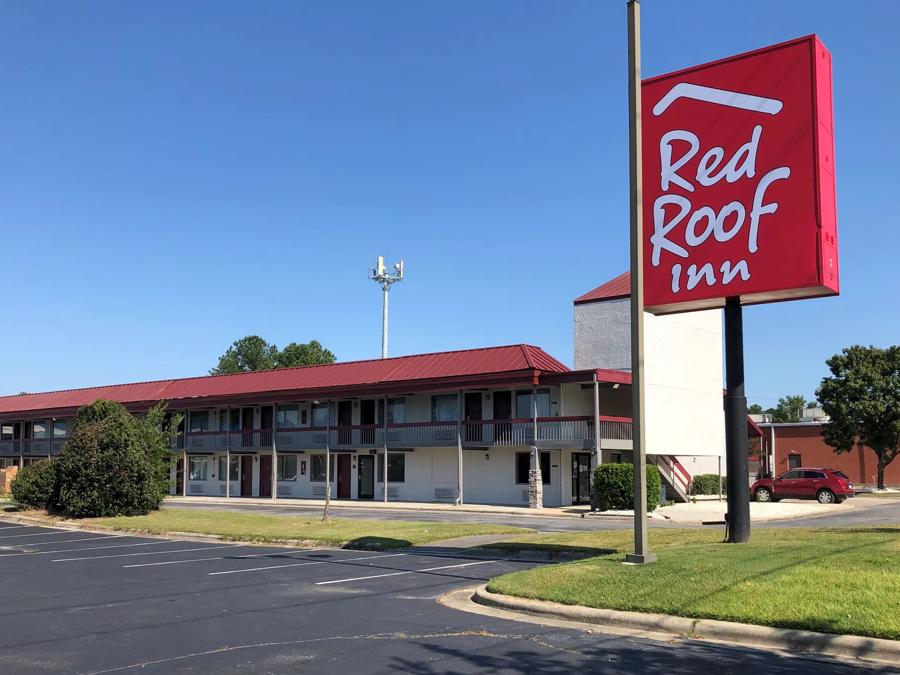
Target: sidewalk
pixel 552 512
pixel 712 510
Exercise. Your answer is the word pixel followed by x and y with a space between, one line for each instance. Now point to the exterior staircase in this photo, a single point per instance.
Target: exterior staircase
pixel 675 476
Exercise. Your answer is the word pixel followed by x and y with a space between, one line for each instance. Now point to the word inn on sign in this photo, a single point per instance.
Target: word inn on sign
pixel 739 180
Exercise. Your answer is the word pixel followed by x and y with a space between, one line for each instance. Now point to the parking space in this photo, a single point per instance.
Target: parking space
pixel 76 601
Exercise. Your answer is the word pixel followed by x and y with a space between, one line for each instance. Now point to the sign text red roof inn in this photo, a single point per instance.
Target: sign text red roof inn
pixel 738 180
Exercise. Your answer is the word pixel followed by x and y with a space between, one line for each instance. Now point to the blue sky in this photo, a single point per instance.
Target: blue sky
pixel 177 175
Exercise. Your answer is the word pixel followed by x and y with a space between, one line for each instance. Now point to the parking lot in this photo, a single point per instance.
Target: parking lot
pixel 75 601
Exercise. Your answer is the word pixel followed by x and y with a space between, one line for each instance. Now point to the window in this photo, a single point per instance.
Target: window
pixel 523 404
pixel 31 461
pixel 396 467
pixel 790 475
pixel 794 461
pixel 234 463
pixel 6 432
pixel 444 408
pixel 523 467
pixel 60 428
pixel 320 415
pixel 317 469
pixel 615 458
pixel 841 474
pixel 815 475
pixel 229 420
pixel 198 468
pixel 40 429
pixel 199 421
pixel 288 417
pixel 396 411
pixel 287 467
pixel 6 462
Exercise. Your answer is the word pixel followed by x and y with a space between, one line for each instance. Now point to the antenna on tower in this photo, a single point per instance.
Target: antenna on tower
pixel 381 276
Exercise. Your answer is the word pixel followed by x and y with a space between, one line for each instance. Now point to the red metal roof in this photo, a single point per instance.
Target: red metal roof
pixel 620 287
pixel 514 362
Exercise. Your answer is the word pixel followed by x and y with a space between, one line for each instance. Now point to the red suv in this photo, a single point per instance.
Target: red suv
pixel 825 485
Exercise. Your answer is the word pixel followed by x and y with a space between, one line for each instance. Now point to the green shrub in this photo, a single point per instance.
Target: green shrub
pixel 36 486
pixel 114 464
pixel 614 485
pixel 706 484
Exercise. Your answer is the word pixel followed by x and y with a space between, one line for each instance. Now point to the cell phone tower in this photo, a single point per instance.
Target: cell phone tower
pixel 382 276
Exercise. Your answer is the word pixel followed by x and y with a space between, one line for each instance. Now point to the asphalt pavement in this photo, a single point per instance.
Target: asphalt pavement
pixel 82 602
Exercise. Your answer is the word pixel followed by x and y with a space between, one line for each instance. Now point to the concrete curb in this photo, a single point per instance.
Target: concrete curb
pixel 725 631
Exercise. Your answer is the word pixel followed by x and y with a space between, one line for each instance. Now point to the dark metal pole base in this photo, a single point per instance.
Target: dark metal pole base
pixel 638 559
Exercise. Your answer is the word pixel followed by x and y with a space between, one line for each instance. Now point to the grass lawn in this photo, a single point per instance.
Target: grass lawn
pixel 265 528
pixel 843 580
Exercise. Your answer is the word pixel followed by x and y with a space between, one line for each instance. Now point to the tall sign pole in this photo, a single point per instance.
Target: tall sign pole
pixel 738 515
pixel 641 553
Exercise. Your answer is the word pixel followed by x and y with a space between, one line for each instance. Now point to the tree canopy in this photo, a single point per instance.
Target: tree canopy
pixel 252 353
pixel 862 398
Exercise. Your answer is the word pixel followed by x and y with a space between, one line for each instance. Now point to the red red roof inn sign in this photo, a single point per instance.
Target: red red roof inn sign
pixel 738 180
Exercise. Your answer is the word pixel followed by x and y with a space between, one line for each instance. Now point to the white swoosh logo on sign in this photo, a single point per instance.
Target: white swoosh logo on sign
pixel 733 99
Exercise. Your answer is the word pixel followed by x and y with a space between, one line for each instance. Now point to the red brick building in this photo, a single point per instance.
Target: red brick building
pixel 789 445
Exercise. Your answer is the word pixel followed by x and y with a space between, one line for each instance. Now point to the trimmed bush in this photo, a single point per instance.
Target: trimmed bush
pixel 35 486
pixel 706 484
pixel 114 464
pixel 614 484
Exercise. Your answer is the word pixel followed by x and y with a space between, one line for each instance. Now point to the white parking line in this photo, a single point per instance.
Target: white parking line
pixel 17 527
pixel 52 543
pixel 86 548
pixel 128 555
pixel 304 564
pixel 275 553
pixel 397 574
pixel 39 534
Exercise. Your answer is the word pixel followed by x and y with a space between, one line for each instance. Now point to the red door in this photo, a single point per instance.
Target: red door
pixel 265 475
pixel 246 476
pixel 343 477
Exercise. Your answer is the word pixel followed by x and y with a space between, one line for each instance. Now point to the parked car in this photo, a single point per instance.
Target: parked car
pixel 825 485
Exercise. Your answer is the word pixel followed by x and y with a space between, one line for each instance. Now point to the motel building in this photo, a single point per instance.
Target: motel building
pixel 453 427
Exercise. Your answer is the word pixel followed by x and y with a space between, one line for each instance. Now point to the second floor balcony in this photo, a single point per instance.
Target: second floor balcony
pixel 552 432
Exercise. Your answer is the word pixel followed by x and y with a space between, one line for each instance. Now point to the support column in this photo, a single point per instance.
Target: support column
pixel 535 479
pixel 596 455
pixel 737 517
pixel 328 457
pixel 641 553
pixel 459 449
pixel 274 453
pixel 228 453
pixel 385 470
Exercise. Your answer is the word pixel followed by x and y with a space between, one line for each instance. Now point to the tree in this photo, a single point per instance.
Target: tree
pixel 115 463
pixel 755 409
pixel 247 354
pixel 862 398
pixel 789 409
pixel 311 353
pixel 253 353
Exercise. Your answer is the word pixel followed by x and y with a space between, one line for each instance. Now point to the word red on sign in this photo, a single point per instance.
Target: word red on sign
pixel 738 180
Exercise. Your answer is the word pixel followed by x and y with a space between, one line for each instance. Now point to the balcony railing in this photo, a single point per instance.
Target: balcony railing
pixel 566 431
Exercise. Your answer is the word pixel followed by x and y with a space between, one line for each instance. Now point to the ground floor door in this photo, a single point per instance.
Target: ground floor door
pixel 581 477
pixel 265 475
pixel 343 477
pixel 246 476
pixel 179 477
pixel 365 477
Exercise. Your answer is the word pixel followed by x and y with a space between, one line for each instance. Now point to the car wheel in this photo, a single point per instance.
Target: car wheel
pixel 763 495
pixel 839 500
pixel 825 497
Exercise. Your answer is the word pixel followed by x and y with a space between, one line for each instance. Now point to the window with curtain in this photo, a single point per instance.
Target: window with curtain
pixel 523 467
pixel 233 473
pixel 444 408
pixel 6 432
pixel 287 467
pixel 199 421
pixel 60 428
pixel 40 429
pixel 320 415
pixel 396 411
pixel 317 468
pixel 288 417
pixel 199 468
pixel 523 403
pixel 396 467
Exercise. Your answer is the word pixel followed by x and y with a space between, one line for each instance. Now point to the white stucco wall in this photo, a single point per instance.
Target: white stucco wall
pixel 683 371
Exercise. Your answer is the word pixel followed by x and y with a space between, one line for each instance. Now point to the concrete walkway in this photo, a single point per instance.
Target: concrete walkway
pixel 713 511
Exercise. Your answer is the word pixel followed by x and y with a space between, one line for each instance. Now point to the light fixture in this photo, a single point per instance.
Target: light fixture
pixel 616 385
pixel 487 455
